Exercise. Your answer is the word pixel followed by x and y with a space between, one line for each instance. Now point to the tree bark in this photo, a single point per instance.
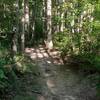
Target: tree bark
pixel 16 30
pixel 62 19
pixel 26 14
pixel 49 43
pixel 23 29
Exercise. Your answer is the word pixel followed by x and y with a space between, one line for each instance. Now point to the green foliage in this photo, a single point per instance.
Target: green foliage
pixel 8 18
pixel 3 79
pixel 96 62
pixel 23 64
pixel 60 40
pixel 18 97
pixel 82 28
pixel 81 41
pixel 7 76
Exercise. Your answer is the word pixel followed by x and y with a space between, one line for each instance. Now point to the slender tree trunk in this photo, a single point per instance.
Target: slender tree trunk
pixel 44 18
pixel 23 37
pixel 62 22
pixel 26 14
pixel 62 19
pixel 23 30
pixel 14 46
pixel 58 14
pixel 16 30
pixel 32 25
pixel 49 43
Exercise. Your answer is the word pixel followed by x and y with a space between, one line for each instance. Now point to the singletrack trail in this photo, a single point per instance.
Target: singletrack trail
pixel 58 81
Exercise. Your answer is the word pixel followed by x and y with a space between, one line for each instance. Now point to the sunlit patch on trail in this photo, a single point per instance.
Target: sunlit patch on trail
pixel 41 53
pixel 41 48
pixel 49 62
pixel 29 50
pixel 37 50
pixel 33 56
pixel 45 55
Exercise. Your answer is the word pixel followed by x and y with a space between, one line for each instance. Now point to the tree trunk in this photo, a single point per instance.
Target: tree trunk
pixel 49 43
pixel 62 19
pixel 16 30
pixel 44 18
pixel 23 29
pixel 26 14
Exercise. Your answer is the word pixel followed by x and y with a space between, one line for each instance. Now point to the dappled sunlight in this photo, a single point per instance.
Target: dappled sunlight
pixel 60 82
pixel 45 55
pixel 29 50
pixel 42 53
pixel 36 53
pixel 33 56
pixel 49 62
pixel 39 55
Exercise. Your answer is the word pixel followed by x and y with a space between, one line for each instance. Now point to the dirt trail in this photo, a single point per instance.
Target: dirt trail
pixel 60 82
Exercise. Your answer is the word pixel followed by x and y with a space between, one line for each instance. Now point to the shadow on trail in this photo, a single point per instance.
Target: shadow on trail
pixel 59 81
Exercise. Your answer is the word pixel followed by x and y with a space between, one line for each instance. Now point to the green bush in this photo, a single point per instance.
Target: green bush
pixel 60 40
pixel 5 73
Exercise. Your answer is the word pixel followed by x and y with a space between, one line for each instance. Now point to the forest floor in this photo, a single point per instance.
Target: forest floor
pixel 55 81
